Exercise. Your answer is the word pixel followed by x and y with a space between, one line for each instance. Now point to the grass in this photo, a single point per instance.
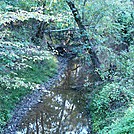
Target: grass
pixel 39 72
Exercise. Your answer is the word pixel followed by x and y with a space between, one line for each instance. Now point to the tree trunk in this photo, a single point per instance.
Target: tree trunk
pixel 91 50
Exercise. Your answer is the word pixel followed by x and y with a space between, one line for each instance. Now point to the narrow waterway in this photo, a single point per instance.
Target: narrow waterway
pixel 62 109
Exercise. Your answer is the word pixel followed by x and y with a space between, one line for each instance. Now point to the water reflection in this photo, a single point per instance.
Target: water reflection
pixel 61 110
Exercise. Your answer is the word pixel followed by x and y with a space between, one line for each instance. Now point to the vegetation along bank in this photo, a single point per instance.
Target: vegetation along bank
pixel 99 32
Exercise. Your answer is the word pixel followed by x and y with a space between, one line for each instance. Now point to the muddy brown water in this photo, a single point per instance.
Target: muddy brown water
pixel 62 109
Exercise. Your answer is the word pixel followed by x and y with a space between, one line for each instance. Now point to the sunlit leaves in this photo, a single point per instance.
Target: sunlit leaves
pixel 15 57
pixel 22 15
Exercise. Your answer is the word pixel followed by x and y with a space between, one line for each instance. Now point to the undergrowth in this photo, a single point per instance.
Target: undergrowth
pixel 23 66
pixel 112 106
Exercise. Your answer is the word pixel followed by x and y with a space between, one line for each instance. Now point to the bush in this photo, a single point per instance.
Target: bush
pixel 124 125
pixel 110 102
pixel 23 65
pixel 22 4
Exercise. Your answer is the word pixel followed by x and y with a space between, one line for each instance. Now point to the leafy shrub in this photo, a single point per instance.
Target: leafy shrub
pixel 124 125
pixel 111 101
pixel 23 65
pixel 112 97
pixel 22 4
pixel 21 69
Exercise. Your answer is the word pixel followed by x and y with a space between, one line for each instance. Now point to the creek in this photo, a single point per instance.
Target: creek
pixel 62 109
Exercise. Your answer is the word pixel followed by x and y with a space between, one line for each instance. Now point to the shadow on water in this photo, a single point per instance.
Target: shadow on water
pixel 62 109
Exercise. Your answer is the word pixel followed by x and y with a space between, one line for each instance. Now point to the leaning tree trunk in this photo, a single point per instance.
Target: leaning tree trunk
pixel 78 19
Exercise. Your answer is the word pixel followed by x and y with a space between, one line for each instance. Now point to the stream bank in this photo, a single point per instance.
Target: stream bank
pixel 58 106
pixel 33 98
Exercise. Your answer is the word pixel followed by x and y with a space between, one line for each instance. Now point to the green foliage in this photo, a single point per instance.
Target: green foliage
pixel 110 102
pixel 22 4
pixel 23 65
pixel 8 100
pixel 126 63
pixel 109 25
pixel 21 69
pixel 124 125
pixel 3 6
pixel 22 15
pixel 37 68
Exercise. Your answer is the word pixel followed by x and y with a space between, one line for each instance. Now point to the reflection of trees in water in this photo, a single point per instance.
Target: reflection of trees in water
pixel 61 110
pixel 75 76
pixel 58 113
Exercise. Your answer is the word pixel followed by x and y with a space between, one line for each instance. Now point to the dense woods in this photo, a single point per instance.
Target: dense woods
pixel 99 32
